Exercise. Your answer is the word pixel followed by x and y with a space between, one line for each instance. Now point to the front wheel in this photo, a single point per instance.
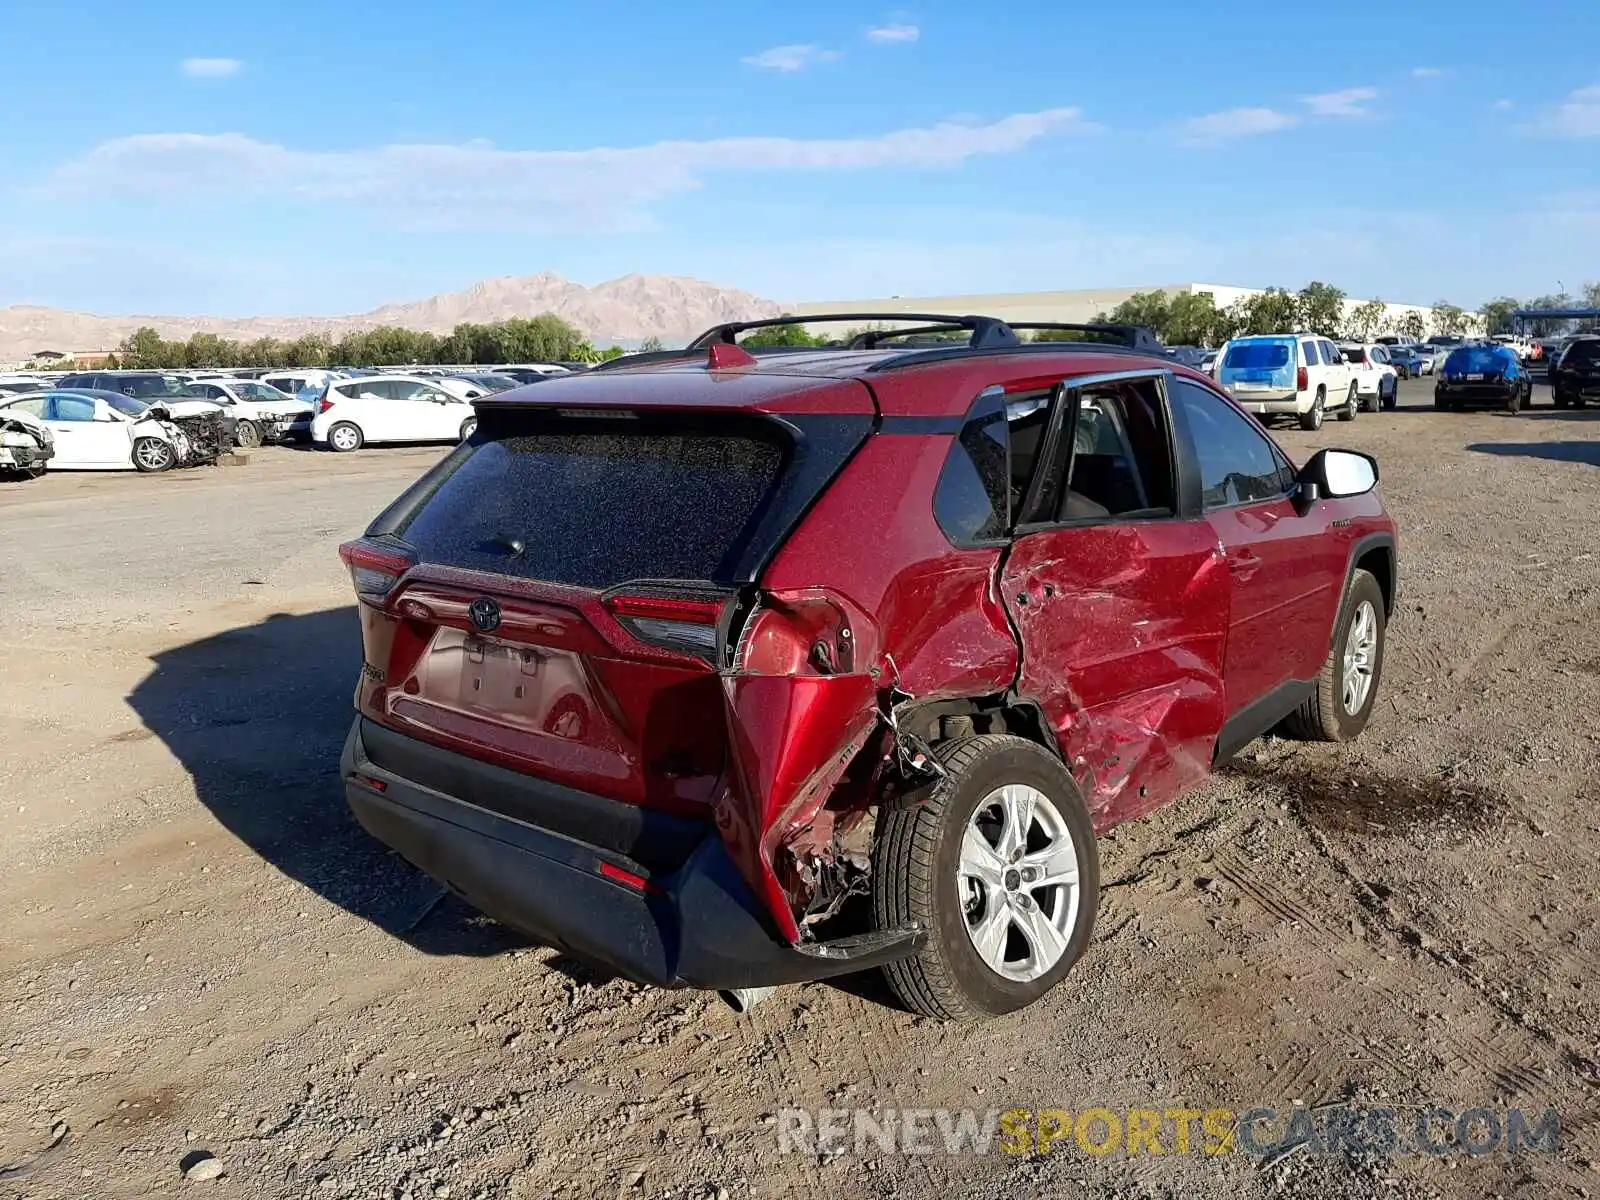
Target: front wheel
pixel 1341 705
pixel 247 435
pixel 1000 866
pixel 1312 421
pixel 344 437
pixel 469 427
pixel 152 454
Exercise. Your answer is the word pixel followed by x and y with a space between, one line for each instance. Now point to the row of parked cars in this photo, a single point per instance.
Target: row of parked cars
pixel 155 420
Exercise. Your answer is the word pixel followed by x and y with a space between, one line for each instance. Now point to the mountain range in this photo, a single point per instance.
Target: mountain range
pixel 624 311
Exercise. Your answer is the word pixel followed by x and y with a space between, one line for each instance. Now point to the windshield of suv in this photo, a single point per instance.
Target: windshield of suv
pixel 1257 356
pixel 127 405
pixel 152 385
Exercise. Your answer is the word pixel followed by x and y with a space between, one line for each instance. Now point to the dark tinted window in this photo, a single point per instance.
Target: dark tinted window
pixel 972 502
pixel 127 405
pixel 79 380
pixel 1354 353
pixel 1238 464
pixel 1309 349
pixel 1257 356
pixel 1586 352
pixel 596 503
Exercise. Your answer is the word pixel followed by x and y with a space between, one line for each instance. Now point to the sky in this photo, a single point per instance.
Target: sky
pixel 304 158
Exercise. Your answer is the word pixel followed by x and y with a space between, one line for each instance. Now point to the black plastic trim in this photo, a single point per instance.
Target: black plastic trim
pixel 1260 715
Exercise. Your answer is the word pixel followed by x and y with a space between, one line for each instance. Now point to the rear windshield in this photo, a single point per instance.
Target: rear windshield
pixel 595 503
pixel 1586 351
pixel 1257 356
pixel 1354 354
pixel 1477 358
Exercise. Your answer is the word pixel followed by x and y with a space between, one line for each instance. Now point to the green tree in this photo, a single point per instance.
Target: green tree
pixel 1497 314
pixel 1411 325
pixel 209 350
pixel 1366 320
pixel 651 344
pixel 1272 311
pixel 144 347
pixel 1193 320
pixel 1449 318
pixel 1151 309
pixel 781 335
pixel 1321 309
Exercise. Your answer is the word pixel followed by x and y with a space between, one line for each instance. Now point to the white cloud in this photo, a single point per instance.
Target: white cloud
pixel 894 32
pixel 479 185
pixel 1234 123
pixel 1505 104
pixel 1576 117
pixel 210 68
pixel 789 59
pixel 1428 72
pixel 1350 102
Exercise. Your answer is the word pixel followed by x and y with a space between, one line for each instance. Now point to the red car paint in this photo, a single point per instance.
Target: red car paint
pixel 1138 641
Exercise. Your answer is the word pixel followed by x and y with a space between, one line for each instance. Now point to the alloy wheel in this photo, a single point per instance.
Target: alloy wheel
pixel 1360 648
pixel 1019 884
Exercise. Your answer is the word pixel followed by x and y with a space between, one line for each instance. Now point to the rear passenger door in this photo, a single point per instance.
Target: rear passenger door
pixel 1119 595
pixel 1283 584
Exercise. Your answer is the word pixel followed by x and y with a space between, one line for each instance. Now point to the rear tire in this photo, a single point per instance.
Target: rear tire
pixel 1351 403
pixel 924 873
pixel 151 454
pixel 345 437
pixel 1389 402
pixel 1329 715
pixel 469 427
pixel 1312 421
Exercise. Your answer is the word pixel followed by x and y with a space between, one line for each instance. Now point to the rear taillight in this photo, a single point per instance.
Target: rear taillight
pixel 1301 380
pixel 685 622
pixel 808 633
pixel 374 569
pixel 324 402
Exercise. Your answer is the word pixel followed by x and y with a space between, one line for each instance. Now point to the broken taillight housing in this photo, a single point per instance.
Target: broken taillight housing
pixel 683 622
pixel 804 633
pixel 374 569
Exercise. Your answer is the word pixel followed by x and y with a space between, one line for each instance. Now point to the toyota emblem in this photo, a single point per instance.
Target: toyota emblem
pixel 485 614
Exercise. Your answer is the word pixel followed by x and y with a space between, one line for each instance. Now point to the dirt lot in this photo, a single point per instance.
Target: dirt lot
pixel 202 952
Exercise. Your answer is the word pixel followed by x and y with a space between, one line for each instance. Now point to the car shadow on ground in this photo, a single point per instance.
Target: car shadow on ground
pixel 1570 452
pixel 257 715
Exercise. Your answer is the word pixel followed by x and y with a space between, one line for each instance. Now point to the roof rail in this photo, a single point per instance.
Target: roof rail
pixel 638 358
pixel 1134 337
pixel 983 332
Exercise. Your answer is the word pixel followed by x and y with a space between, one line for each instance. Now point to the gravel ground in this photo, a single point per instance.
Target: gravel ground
pixel 212 981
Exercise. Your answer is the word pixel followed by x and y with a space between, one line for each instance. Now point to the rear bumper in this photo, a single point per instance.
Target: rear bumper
pixel 1477 393
pixel 1268 402
pixel 697 923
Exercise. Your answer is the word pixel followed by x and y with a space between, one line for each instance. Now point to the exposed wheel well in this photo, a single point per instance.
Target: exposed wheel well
pixel 1379 561
pixel 936 721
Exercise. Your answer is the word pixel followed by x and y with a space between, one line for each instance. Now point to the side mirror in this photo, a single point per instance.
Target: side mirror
pixel 1335 473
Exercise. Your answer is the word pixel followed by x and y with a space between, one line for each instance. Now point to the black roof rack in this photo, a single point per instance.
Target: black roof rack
pixel 984 333
pixel 1133 337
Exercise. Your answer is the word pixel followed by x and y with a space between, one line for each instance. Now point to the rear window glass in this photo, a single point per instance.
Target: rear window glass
pixel 1478 358
pixel 1354 353
pixel 1582 352
pixel 599 502
pixel 1257 356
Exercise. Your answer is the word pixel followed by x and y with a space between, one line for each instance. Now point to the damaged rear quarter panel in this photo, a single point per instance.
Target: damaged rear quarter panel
pixel 941 631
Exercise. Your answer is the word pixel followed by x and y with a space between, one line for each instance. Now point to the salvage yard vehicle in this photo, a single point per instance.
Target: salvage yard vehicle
pixel 734 668
pixel 390 408
pixel 1377 382
pixel 110 431
pixel 1484 373
pixel 1575 374
pixel 1300 375
pixel 26 444
pixel 263 413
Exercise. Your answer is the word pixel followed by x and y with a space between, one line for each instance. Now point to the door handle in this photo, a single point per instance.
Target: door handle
pixel 1244 563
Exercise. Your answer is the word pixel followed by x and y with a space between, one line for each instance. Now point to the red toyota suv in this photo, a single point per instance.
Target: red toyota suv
pixel 731 667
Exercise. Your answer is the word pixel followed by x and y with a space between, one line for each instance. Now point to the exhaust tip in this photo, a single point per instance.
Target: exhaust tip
pixel 742 1000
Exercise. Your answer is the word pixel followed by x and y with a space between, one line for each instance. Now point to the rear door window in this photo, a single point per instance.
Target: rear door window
pixel 597 502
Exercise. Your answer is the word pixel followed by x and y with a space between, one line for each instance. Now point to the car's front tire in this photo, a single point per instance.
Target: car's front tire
pixel 469 427
pixel 247 435
pixel 344 437
pixel 1311 421
pixel 151 454
pixel 999 865
pixel 1341 705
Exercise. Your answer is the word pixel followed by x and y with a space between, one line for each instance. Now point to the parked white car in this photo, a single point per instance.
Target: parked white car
pixel 1296 374
pixel 1377 382
pixel 476 384
pixel 264 413
pixel 390 408
pixel 102 433
pixel 305 385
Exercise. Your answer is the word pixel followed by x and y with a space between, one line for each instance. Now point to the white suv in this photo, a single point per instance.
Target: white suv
pixel 1289 373
pixel 1377 382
